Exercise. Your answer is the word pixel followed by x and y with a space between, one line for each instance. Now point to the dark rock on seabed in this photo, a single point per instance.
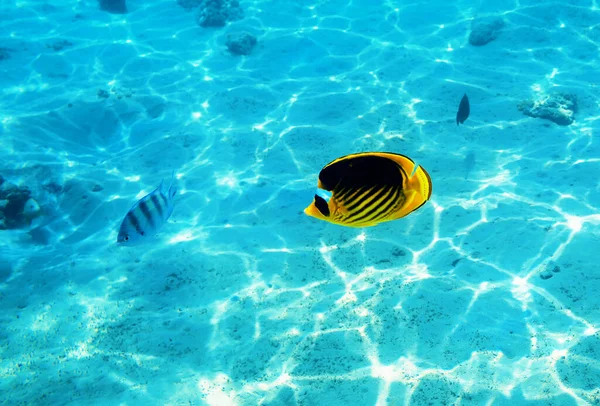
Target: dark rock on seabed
pixel 485 30
pixel 241 44
pixel 560 108
pixel 13 201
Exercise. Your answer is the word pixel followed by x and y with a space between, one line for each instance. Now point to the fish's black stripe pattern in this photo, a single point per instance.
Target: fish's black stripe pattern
pixel 351 195
pixel 366 200
pixel 157 204
pixel 382 210
pixel 133 220
pixel 342 193
pixel 372 207
pixel 395 202
pixel 146 212
pixel 358 199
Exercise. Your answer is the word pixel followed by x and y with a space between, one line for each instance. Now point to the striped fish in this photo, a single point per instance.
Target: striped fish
pixel 365 189
pixel 147 216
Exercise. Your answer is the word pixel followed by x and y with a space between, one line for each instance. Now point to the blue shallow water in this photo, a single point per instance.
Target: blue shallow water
pixel 486 295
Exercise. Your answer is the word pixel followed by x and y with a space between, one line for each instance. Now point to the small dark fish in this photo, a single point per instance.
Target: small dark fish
pixel 463 110
pixel 113 6
pixel 147 216
pixel 368 188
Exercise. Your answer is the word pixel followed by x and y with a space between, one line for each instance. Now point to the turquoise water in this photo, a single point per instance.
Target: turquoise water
pixel 487 295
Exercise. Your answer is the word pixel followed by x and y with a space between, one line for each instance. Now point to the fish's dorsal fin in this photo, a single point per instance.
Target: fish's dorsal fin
pixel 171 190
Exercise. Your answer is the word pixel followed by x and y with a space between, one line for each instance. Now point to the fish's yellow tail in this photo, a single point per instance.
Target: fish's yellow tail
pixel 421 182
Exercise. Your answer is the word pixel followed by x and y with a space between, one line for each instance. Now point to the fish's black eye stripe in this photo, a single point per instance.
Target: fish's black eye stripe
pixel 322 205
pixel 157 204
pixel 146 212
pixel 133 220
pixel 373 207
